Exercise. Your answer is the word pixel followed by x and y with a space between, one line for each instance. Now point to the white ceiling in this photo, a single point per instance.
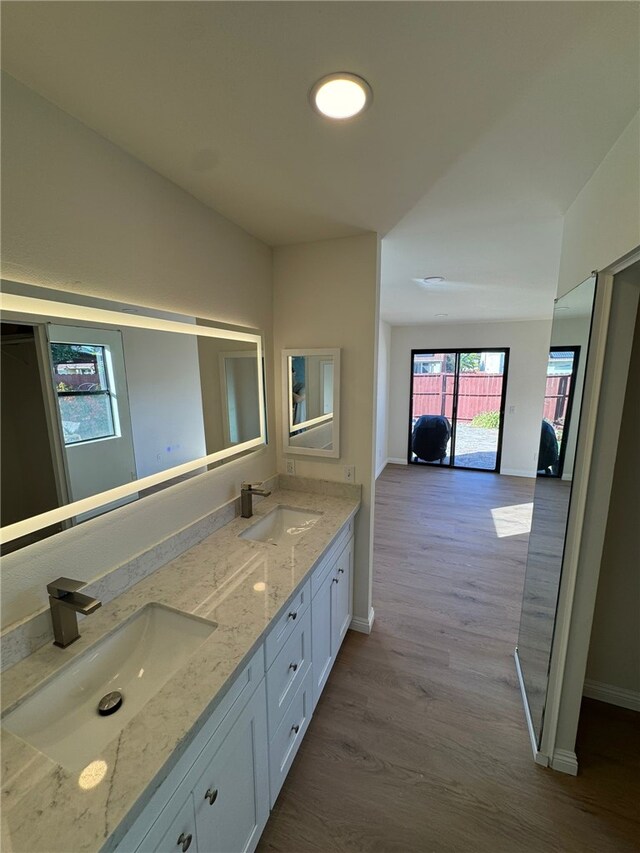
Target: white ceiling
pixel 487 120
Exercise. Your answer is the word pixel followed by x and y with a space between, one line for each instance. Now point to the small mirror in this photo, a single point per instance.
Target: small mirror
pixel 311 401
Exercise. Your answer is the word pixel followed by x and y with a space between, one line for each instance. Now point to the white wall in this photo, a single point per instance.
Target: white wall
pixel 529 349
pixel 603 223
pixel 80 214
pixel 614 649
pixel 326 295
pixel 382 396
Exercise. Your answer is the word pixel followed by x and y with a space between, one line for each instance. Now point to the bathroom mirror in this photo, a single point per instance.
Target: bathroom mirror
pixel 311 402
pixel 104 403
pixel 559 433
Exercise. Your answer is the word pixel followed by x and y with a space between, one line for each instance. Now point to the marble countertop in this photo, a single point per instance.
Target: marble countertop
pixel 43 807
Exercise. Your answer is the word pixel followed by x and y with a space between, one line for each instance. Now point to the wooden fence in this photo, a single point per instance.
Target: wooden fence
pixel 479 392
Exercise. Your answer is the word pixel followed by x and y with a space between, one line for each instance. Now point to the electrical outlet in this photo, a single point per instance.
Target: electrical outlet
pixel 291 467
pixel 350 473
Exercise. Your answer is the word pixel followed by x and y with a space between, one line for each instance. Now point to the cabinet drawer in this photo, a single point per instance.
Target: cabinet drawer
pixel 288 671
pixel 327 562
pixel 284 626
pixel 286 741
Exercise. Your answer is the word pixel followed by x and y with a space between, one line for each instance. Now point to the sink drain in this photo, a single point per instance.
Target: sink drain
pixel 110 703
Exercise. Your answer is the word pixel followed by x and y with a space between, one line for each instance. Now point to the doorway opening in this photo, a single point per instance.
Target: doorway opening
pixel 456 408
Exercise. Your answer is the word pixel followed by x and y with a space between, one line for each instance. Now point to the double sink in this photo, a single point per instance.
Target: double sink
pixel 84 706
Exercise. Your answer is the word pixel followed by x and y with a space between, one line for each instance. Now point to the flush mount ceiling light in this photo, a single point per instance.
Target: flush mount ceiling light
pixel 340 96
pixel 428 280
pixel 442 315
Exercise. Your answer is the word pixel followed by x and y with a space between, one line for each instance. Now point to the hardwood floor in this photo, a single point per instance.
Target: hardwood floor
pixel 419 741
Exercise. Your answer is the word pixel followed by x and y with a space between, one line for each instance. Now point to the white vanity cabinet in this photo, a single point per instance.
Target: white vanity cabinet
pixel 217 797
pixel 331 609
pixel 227 806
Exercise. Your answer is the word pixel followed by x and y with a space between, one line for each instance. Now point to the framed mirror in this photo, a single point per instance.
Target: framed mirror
pixel 311 402
pixel 568 357
pixel 104 403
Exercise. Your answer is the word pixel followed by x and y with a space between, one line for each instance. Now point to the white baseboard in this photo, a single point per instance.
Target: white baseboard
pixel 517 472
pixel 538 757
pixel 393 460
pixel 619 696
pixel 381 467
pixel 364 626
pixel 565 761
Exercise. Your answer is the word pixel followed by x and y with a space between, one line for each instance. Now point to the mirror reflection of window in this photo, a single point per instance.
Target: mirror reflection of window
pixel 83 386
pixel 558 403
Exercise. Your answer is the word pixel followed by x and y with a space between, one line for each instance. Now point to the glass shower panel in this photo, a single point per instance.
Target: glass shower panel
pixel 570 331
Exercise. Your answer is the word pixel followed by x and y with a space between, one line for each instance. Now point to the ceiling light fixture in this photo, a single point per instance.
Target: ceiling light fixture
pixel 442 315
pixel 340 96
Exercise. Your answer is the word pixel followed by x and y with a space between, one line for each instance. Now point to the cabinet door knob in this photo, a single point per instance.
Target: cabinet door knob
pixel 293 666
pixel 185 841
pixel 295 729
pixel 292 615
pixel 211 795
pixel 336 580
pixel 340 571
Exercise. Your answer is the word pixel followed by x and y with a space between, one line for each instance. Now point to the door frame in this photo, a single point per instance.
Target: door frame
pixel 503 400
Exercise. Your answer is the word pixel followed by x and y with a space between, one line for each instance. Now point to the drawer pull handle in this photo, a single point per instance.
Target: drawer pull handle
pixel 293 614
pixel 293 666
pixel 295 729
pixel 211 795
pixel 185 841
pixel 336 580
pixel 340 571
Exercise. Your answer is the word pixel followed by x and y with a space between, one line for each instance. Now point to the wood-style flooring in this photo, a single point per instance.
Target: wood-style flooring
pixel 419 741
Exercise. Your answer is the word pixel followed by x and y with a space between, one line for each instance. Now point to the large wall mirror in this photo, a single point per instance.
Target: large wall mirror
pixel 103 404
pixel 560 426
pixel 311 402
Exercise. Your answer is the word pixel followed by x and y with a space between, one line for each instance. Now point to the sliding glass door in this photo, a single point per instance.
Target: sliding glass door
pixel 562 372
pixel 457 408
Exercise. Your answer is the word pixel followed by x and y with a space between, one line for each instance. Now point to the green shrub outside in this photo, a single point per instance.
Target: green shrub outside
pixel 488 420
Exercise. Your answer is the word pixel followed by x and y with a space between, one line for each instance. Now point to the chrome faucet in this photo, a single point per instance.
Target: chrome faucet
pixel 66 602
pixel 247 491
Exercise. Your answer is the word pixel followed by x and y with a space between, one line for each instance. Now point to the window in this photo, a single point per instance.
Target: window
pixel 81 381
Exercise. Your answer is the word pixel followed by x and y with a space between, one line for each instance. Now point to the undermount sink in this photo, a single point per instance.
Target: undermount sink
pixel 61 718
pixel 282 526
